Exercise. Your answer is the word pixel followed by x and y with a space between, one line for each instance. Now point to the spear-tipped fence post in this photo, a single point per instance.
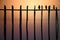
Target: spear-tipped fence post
pixel 12 22
pixel 57 24
pixel 41 22
pixel 27 24
pixel 34 23
pixel 20 22
pixel 48 22
pixel 4 22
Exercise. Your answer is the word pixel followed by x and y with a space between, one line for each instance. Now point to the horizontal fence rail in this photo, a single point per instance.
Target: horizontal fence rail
pixel 29 9
pixel 20 23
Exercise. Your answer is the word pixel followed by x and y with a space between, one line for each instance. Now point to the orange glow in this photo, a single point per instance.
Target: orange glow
pixel 30 3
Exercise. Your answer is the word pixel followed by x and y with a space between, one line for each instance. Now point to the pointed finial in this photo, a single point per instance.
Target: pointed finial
pixel 46 7
pixel 54 7
pixel 39 7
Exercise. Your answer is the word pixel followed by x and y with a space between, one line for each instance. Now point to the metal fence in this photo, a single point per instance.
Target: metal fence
pixel 40 8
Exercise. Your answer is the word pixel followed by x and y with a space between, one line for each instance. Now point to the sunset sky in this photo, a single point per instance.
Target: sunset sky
pixel 30 3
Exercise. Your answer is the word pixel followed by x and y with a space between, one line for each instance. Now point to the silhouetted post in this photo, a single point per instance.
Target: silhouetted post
pixel 12 22
pixel 46 7
pixel 4 22
pixel 39 7
pixel 57 24
pixel 54 7
pixel 20 22
pixel 27 24
pixel 48 22
pixel 34 23
pixel 41 22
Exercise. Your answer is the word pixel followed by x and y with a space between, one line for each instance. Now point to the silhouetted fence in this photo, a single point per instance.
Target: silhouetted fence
pixel 40 8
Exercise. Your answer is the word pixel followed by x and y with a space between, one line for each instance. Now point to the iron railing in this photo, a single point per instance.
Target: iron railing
pixel 20 25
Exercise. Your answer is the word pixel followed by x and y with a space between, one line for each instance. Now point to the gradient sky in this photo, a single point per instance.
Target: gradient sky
pixel 31 4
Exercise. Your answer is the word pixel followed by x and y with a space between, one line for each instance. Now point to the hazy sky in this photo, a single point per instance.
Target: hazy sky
pixel 31 3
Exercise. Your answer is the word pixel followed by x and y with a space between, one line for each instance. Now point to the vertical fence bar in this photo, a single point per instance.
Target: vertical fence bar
pixel 4 22
pixel 34 23
pixel 20 22
pixel 12 22
pixel 27 24
pixel 48 22
pixel 41 22
pixel 56 24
